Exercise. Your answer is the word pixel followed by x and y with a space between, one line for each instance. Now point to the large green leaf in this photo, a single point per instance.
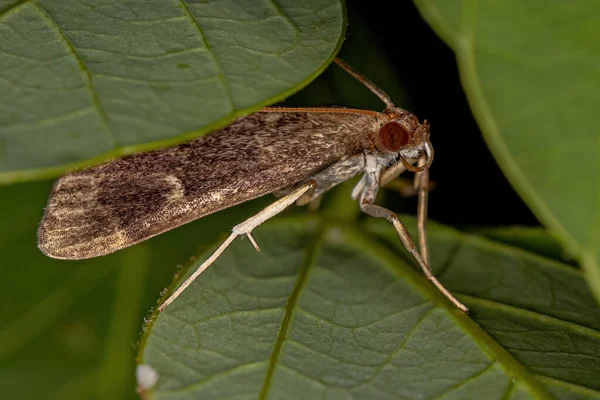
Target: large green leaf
pixel 530 71
pixel 85 80
pixel 71 327
pixel 535 239
pixel 325 310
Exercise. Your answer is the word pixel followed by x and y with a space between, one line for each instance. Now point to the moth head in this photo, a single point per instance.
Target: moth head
pixel 401 133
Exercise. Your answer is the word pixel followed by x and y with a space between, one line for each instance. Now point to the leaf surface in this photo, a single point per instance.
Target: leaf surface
pixel 530 73
pixel 328 310
pixel 86 316
pixel 83 81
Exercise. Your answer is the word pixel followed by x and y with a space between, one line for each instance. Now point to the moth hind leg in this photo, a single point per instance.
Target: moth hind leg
pixel 245 228
pixel 306 190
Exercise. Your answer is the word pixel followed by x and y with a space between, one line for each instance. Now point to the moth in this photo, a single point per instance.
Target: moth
pixel 295 153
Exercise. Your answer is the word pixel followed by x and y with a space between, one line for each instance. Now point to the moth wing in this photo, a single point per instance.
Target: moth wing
pixel 105 208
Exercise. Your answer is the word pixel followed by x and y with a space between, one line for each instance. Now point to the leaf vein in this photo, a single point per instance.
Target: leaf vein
pixel 88 74
pixel 390 356
pixel 6 10
pixel 572 386
pixel 465 381
pixel 214 376
pixel 584 330
pixel 213 56
pixel 69 115
pixel 329 355
pixel 286 17
pixel 153 83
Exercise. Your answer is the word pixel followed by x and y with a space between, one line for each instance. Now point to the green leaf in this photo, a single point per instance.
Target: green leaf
pixel 530 71
pixel 71 327
pixel 68 328
pixel 535 239
pixel 328 310
pixel 82 82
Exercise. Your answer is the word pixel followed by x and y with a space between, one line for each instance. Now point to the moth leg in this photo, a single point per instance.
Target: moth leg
pixel 366 205
pixel 315 203
pixel 422 186
pixel 245 228
pixel 390 178
pixel 381 212
pixel 393 172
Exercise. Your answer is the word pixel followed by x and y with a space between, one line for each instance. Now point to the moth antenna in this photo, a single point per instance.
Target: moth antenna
pixel 389 105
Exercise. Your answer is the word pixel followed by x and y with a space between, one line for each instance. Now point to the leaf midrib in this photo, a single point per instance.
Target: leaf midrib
pixel 289 310
pixel 486 343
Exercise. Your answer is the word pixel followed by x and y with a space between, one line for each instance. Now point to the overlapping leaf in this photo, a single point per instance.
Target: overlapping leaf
pixel 530 70
pixel 83 80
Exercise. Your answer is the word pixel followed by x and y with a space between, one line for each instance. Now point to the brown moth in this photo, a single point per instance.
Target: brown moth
pixel 295 153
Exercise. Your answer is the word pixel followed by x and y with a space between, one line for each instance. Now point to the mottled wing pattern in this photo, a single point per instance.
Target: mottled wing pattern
pixel 105 208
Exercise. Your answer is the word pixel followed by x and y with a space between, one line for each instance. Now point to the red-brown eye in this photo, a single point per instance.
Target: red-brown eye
pixel 393 136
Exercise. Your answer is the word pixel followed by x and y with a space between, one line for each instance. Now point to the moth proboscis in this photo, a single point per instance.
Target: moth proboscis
pixel 296 153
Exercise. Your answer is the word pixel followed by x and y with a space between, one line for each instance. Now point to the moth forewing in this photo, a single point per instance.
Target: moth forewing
pixel 100 210
pixel 297 153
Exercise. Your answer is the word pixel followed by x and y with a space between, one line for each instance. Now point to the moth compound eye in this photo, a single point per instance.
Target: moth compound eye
pixel 393 136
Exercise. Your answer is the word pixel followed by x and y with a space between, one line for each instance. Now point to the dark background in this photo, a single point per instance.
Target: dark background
pixel 470 187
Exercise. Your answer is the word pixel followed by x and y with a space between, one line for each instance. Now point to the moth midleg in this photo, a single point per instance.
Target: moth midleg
pixel 421 185
pixel 367 198
pixel 381 212
pixel 245 228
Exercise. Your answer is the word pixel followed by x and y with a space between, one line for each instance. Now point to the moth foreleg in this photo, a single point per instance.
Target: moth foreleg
pixel 393 172
pixel 245 228
pixel 390 178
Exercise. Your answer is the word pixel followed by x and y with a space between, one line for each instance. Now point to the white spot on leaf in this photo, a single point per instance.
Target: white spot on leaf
pixel 146 377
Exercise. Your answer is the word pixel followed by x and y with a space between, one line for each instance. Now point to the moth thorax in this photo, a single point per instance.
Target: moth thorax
pixel 392 137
